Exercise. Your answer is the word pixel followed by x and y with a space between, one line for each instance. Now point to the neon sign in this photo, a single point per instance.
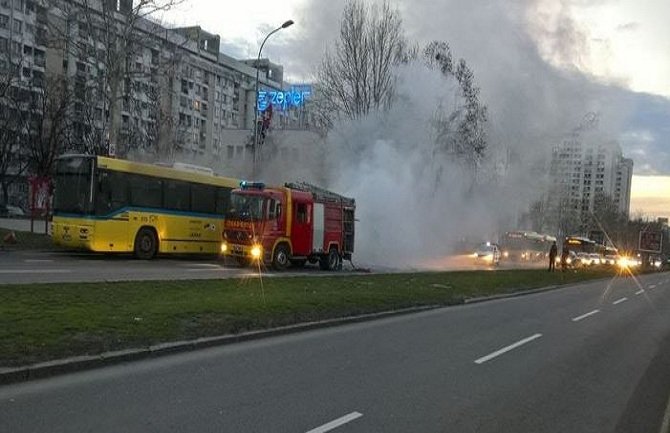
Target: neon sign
pixel 283 99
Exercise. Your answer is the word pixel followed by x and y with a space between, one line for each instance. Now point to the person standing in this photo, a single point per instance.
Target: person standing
pixel 553 252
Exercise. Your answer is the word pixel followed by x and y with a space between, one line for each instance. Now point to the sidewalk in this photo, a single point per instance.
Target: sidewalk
pixel 20 224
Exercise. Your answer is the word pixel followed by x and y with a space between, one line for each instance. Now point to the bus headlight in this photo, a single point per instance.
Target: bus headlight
pixel 256 251
pixel 224 247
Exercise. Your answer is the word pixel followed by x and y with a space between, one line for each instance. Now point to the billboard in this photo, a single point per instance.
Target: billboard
pixel 283 100
pixel 651 242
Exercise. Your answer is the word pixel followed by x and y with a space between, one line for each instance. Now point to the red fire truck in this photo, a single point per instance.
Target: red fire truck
pixel 293 224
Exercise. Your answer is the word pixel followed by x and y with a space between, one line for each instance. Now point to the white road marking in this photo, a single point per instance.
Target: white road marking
pixel 336 423
pixel 506 349
pixel 652 286
pixel 620 300
pixel 38 260
pixel 35 271
pixel 584 316
pixel 639 292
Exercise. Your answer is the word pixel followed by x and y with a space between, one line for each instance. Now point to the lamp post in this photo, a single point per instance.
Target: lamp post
pixel 258 61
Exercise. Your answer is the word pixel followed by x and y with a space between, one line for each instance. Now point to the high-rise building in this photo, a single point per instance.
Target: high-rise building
pixel 583 173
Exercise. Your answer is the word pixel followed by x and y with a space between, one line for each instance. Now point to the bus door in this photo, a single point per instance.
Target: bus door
pixel 111 222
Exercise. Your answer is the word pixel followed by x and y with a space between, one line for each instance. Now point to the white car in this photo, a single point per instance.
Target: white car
pixel 488 253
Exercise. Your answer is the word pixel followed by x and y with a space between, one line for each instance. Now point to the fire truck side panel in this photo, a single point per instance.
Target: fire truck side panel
pixel 332 226
pixel 319 225
pixel 301 231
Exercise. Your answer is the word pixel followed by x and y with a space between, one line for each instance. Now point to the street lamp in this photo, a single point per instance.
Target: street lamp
pixel 258 61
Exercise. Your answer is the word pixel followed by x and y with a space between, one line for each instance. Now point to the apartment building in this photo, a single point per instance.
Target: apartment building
pixel 179 92
pixel 584 170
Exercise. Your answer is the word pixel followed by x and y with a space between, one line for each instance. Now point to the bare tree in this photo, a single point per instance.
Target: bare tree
pixel 50 124
pixel 461 131
pixel 359 74
pixel 13 160
pixel 106 37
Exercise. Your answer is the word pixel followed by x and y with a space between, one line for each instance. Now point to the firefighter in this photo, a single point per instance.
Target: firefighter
pixel 553 252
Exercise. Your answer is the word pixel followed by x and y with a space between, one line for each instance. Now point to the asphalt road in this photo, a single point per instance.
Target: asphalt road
pixel 23 267
pixel 593 357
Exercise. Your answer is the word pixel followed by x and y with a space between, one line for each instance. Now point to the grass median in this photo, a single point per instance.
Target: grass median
pixel 49 321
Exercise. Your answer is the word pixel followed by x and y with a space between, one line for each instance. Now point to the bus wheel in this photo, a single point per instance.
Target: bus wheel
pixel 146 244
pixel 329 262
pixel 280 258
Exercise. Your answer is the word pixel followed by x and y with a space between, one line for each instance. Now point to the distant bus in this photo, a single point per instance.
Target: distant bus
pixel 579 244
pixel 525 245
pixel 113 205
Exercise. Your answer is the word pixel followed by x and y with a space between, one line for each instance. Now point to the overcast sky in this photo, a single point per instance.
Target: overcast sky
pixel 609 56
pixel 627 41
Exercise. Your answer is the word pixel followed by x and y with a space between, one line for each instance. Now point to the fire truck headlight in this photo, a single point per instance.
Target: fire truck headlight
pixel 256 251
pixel 506 254
pixel 224 247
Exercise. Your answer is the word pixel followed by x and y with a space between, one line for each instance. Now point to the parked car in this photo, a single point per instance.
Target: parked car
pixel 9 211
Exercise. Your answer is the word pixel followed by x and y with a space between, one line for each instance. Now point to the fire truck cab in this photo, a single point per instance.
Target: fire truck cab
pixel 292 224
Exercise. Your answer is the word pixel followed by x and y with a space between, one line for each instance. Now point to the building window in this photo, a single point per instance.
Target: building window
pixel 17 26
pixel 4 21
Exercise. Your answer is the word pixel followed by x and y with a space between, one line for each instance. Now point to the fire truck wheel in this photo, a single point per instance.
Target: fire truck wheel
pixel 329 262
pixel 280 257
pixel 298 263
pixel 146 244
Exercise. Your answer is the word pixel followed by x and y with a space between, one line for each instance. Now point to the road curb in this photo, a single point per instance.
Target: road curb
pixel 511 295
pixel 87 362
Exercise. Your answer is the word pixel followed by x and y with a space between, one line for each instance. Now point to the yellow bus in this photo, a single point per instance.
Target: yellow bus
pixel 112 205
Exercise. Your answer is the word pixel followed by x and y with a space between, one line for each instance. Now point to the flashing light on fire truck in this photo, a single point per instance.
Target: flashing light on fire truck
pixel 251 185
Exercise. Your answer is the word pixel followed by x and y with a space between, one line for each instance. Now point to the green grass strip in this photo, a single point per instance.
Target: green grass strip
pixel 49 321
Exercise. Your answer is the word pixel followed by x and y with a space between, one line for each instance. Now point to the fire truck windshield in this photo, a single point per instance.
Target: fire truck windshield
pixel 245 206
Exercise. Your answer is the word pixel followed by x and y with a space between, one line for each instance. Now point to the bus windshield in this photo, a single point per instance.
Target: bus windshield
pixel 74 186
pixel 246 206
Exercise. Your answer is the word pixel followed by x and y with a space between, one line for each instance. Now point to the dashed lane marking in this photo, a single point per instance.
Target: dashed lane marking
pixel 336 423
pixel 584 316
pixel 506 349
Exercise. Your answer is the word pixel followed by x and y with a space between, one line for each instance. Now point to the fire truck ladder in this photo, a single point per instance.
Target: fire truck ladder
pixel 321 194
